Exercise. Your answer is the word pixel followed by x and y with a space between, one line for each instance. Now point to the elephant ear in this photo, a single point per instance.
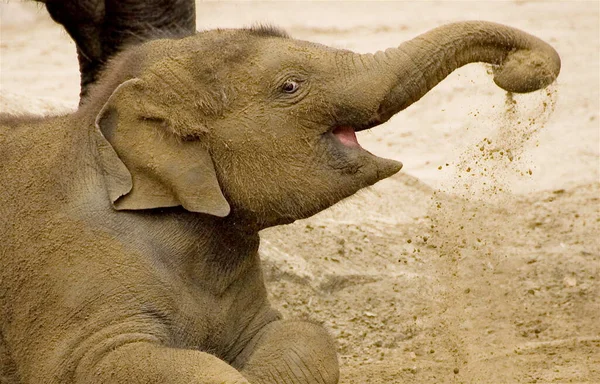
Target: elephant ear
pixel 145 164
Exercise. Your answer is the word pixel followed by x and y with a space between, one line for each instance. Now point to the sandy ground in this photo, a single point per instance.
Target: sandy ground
pixel 480 261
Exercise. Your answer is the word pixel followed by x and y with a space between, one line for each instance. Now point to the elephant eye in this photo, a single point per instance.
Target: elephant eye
pixel 290 86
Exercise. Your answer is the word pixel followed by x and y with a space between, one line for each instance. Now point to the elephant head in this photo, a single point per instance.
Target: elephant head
pixel 254 125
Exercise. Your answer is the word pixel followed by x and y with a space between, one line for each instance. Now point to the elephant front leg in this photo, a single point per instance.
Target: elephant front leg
pixel 294 352
pixel 149 363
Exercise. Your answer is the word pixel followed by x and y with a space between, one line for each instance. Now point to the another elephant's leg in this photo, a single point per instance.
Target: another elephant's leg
pixel 148 363
pixel 102 28
pixel 295 352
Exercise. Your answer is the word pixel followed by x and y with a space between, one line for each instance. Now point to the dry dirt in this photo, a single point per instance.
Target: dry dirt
pixel 480 261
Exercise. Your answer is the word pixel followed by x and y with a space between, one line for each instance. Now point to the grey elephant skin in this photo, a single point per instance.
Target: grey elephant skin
pixel 130 227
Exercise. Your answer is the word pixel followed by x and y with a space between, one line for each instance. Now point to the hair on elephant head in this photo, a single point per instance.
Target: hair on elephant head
pixel 256 125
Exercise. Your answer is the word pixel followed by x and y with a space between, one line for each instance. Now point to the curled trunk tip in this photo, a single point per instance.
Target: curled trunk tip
pixel 527 70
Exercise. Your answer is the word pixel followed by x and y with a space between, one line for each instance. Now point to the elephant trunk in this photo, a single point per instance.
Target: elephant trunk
pixel 523 63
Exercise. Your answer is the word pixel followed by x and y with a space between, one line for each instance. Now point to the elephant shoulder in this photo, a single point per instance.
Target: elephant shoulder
pixel 24 136
pixel 36 157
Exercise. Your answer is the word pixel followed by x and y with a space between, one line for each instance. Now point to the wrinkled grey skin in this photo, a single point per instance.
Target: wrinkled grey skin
pixel 130 228
pixel 102 28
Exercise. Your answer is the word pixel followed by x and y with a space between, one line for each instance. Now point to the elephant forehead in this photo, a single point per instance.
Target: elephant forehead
pixel 210 48
pixel 298 52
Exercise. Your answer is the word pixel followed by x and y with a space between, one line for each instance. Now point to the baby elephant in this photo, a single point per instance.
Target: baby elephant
pixel 130 227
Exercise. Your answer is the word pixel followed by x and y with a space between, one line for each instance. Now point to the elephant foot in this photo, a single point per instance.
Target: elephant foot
pixel 290 352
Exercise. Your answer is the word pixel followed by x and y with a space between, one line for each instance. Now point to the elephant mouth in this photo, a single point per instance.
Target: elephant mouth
pixel 351 157
pixel 347 136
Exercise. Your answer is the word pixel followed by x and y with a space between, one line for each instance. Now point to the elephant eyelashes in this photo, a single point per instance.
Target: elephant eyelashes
pixel 290 86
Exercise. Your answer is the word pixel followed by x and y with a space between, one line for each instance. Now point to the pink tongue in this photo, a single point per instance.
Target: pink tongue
pixel 347 136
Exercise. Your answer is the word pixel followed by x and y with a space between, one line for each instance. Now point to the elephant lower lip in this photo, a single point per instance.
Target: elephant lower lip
pixel 346 136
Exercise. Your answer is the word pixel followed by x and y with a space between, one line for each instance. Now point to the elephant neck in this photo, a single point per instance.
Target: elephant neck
pixel 228 244
pixel 210 251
